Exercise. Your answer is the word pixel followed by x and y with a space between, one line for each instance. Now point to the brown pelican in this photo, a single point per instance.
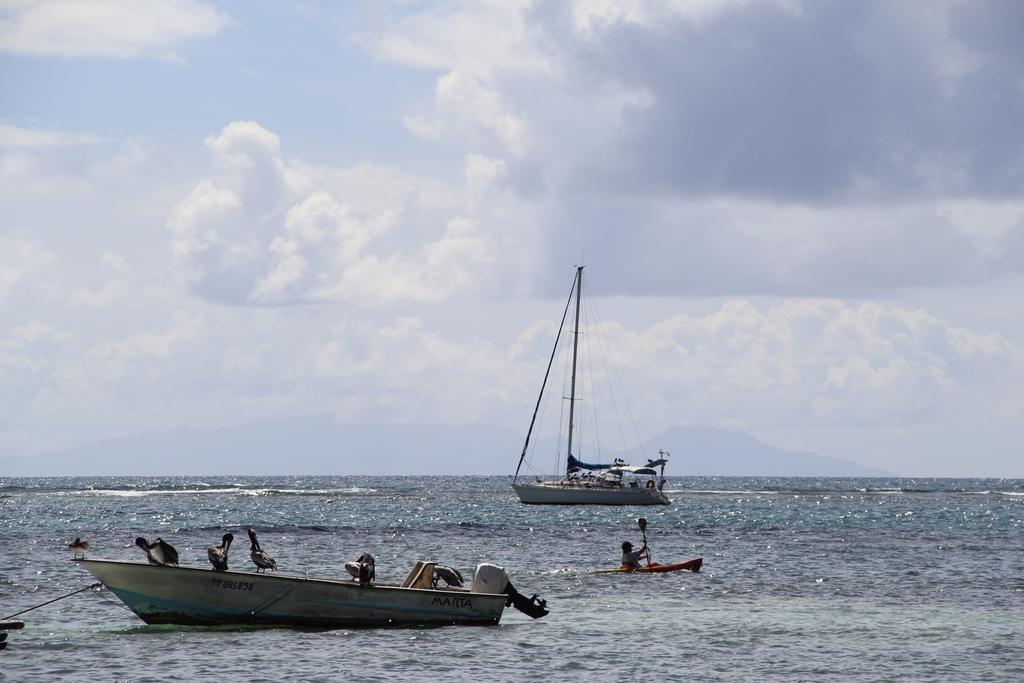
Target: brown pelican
pixel 167 550
pixel 78 547
pixel 450 575
pixel 259 557
pixel 159 552
pixel 363 569
pixel 218 554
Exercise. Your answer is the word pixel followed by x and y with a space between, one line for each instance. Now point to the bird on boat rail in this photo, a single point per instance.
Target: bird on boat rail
pixel 159 552
pixel 259 557
pixel 78 547
pixel 363 569
pixel 218 554
pixel 450 575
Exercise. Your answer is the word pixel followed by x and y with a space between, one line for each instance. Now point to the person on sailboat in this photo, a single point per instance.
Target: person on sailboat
pixel 630 558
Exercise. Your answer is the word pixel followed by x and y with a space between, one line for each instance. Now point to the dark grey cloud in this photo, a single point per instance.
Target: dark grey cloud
pixel 1010 248
pixel 840 100
pixel 781 152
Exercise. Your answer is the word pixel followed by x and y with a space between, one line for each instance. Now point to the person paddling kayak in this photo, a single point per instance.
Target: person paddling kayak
pixel 630 558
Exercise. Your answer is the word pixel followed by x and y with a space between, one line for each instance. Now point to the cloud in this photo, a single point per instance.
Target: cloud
pixel 38 164
pixel 21 261
pixel 58 387
pixel 801 364
pixel 464 102
pixel 13 137
pixel 28 356
pixel 816 362
pixel 811 102
pixel 267 231
pixel 322 239
pixel 117 287
pixel 730 247
pixel 732 147
pixel 472 43
pixel 106 28
pixel 27 155
pixel 113 359
pixel 366 361
pixel 476 37
pixel 798 364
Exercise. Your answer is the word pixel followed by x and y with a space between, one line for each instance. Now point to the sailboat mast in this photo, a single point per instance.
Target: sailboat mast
pixel 575 348
pixel 544 384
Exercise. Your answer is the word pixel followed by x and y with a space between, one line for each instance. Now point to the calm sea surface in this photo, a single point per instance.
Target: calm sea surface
pixel 804 579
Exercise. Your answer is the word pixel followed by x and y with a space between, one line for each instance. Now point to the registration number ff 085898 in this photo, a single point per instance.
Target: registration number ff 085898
pixel 231 584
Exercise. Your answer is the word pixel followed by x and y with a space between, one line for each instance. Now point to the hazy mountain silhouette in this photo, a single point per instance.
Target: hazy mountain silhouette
pixel 319 445
pixel 717 452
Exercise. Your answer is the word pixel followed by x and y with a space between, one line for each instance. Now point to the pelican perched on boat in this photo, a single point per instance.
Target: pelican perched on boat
pixel 450 575
pixel 363 569
pixel 168 551
pixel 159 552
pixel 259 557
pixel 218 554
pixel 78 547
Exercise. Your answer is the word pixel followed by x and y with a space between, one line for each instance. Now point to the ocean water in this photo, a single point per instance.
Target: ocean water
pixel 804 579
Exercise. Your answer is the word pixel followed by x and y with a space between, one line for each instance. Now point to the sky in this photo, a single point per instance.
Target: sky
pixel 802 220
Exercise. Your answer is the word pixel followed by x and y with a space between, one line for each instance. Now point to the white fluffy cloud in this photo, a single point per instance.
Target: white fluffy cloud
pixel 269 231
pixel 464 102
pixel 105 28
pixel 797 365
pixel 820 362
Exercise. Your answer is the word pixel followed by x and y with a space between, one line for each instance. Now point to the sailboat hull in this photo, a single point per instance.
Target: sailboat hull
pixel 570 493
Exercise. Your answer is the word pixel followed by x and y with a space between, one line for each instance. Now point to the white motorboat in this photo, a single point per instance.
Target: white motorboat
pixel 616 483
pixel 191 595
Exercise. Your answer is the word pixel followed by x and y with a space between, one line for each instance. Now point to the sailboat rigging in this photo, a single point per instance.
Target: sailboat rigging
pixel 587 483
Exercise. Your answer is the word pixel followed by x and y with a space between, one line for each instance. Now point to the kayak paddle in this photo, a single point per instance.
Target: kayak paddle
pixel 643 530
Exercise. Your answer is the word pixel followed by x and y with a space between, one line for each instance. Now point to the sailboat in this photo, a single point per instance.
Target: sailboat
pixel 583 483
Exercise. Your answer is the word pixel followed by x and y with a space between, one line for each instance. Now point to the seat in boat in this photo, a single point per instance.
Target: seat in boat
pixel 421 575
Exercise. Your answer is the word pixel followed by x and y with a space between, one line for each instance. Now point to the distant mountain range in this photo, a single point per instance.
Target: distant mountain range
pixel 319 445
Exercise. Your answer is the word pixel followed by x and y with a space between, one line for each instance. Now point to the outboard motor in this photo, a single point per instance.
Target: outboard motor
pixel 490 578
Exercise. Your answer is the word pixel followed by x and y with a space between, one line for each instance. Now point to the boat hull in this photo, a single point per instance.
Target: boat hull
pixel 689 565
pixel 194 596
pixel 558 493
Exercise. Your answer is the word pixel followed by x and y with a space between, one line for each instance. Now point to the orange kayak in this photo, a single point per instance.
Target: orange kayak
pixel 655 568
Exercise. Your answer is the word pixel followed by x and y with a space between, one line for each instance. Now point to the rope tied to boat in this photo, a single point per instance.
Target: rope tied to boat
pixel 43 604
pixel 273 601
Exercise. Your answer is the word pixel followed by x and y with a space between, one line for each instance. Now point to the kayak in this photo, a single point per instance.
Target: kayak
pixel 655 568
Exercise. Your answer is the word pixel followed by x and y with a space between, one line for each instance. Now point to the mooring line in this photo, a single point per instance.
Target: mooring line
pixel 274 600
pixel 102 595
pixel 43 604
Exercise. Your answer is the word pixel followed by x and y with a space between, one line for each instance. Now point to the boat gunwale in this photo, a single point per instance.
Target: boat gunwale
pixel 286 578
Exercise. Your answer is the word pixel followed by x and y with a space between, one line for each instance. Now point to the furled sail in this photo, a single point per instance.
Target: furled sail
pixel 573 463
